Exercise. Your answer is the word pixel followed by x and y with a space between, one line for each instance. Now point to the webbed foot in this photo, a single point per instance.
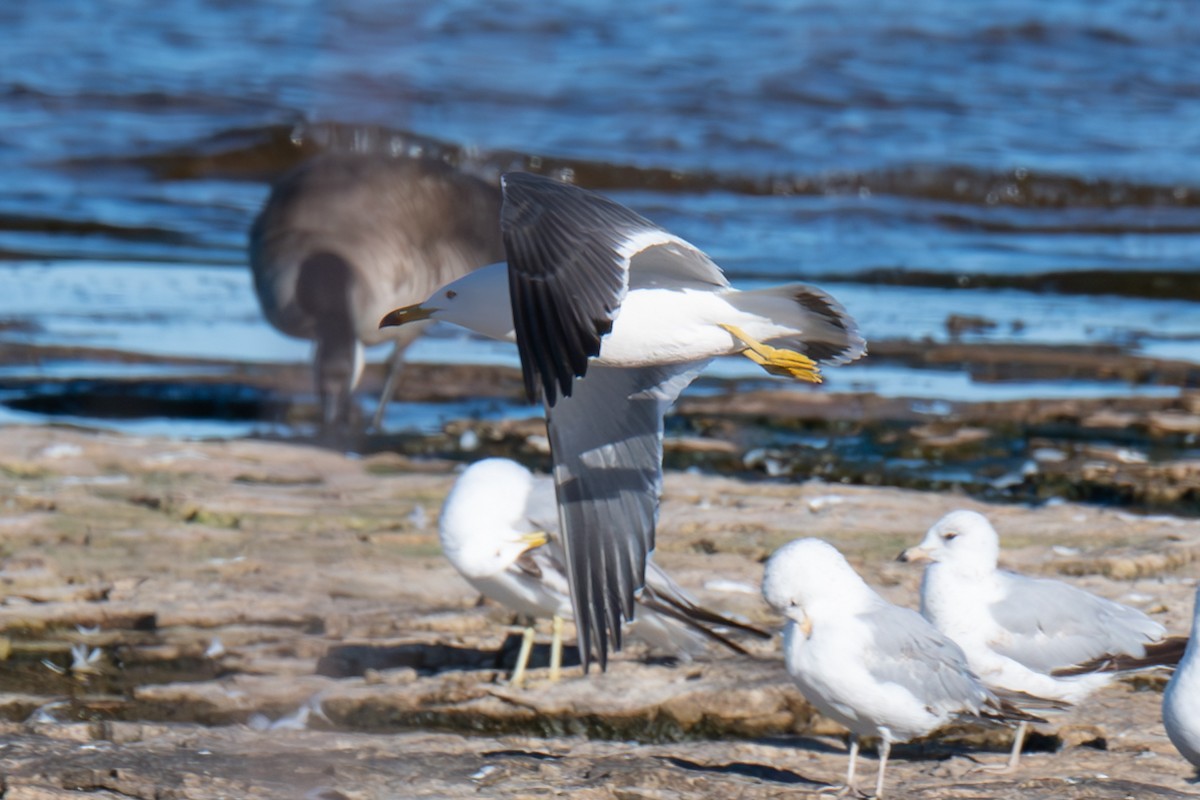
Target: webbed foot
pixel 776 360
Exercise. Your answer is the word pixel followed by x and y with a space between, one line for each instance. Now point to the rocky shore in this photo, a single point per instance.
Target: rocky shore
pixel 185 619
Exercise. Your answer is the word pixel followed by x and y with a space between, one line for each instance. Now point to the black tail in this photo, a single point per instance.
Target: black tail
pixel 683 609
pixel 1003 711
pixel 826 332
pixel 1166 653
pixel 1029 702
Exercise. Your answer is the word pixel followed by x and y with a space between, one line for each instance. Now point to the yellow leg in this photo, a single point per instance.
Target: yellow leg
pixel 776 360
pixel 518 676
pixel 556 649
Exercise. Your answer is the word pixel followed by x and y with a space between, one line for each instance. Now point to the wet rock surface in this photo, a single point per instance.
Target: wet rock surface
pixel 258 619
pixel 1140 452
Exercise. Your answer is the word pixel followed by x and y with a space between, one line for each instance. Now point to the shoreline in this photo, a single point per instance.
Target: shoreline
pixel 1140 452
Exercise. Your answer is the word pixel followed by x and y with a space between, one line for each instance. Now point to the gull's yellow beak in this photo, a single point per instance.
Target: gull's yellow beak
pixel 806 626
pixel 402 316
pixel 914 555
pixel 535 539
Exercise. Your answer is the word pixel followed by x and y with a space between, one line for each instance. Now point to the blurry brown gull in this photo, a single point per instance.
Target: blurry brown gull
pixel 345 237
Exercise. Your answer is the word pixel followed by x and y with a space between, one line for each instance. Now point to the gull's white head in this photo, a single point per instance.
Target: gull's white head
pixel 807 576
pixel 964 540
pixel 478 301
pixel 481 526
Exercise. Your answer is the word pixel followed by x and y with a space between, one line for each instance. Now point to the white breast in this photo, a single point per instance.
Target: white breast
pixel 669 326
pixel 828 669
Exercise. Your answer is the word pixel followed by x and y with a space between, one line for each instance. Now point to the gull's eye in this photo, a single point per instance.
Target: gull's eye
pixel 948 535
pixel 451 294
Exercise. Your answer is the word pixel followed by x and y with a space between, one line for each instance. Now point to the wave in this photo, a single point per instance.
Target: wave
pixel 1149 285
pixel 157 101
pixel 19 223
pixel 263 153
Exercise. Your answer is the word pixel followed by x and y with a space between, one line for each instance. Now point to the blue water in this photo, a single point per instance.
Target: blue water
pixel 919 159
pixel 1069 87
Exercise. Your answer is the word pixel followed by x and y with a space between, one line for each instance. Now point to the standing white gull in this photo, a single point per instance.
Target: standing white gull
pixel 1023 634
pixel 1181 700
pixel 345 237
pixel 613 317
pixel 499 528
pixel 876 668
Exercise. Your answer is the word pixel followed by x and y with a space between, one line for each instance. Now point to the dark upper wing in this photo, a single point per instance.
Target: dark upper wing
pixel 606 440
pixel 568 254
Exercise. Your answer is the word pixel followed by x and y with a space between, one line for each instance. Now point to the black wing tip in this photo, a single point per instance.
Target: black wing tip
pixel 604 585
pixel 1004 711
pixel 698 617
pixel 604 619
pixel 594 640
pixel 1165 653
pixel 705 622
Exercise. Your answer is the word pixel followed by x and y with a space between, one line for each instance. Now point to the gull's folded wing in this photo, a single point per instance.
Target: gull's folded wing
pixel 1052 625
pixel 909 652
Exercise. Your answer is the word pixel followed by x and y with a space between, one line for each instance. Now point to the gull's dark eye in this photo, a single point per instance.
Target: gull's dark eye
pixel 948 535
pixel 451 294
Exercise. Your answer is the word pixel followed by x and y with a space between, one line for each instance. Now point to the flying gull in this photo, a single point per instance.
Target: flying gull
pixel 876 668
pixel 1181 700
pixel 613 316
pixel 1024 634
pixel 345 237
pixel 499 528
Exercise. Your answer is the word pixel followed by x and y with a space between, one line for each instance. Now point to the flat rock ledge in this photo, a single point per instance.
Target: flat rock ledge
pixel 255 620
